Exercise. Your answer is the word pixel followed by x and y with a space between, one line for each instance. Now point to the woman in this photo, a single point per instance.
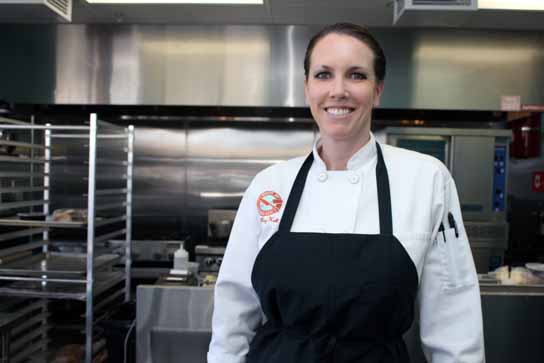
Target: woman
pixel 329 252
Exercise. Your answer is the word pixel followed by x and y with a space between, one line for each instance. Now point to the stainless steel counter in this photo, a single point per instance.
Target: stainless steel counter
pixel 174 324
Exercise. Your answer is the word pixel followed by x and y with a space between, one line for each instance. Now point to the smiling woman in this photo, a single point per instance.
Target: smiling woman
pixel 341 89
pixel 332 272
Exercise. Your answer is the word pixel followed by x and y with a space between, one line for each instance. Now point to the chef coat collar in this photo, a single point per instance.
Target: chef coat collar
pixel 363 157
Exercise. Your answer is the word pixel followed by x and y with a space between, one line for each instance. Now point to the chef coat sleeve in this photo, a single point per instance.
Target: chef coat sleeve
pixel 449 296
pixel 237 311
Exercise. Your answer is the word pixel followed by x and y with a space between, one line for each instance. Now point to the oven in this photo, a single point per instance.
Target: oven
pixel 478 162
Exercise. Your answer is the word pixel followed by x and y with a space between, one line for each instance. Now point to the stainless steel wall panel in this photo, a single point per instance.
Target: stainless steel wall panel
pixel 180 173
pixel 159 172
pixel 223 160
pixel 472 70
pixel 257 65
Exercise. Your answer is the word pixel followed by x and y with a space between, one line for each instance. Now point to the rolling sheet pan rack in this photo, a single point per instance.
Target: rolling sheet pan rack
pixel 23 328
pixel 27 179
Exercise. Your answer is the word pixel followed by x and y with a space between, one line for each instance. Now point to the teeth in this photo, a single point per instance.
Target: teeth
pixel 338 111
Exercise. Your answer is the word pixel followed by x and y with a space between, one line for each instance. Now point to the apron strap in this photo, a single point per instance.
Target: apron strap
pixel 384 194
pixel 382 182
pixel 294 196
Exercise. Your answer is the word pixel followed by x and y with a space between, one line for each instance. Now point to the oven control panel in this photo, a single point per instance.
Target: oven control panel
pixel 209 258
pixel 499 178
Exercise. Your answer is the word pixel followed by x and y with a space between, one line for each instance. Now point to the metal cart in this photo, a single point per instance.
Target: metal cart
pixel 29 267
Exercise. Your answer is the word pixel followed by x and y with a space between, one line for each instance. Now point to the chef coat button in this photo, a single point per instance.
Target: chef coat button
pixel 354 178
pixel 322 176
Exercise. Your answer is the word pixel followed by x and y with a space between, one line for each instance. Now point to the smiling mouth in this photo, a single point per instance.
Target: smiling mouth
pixel 339 111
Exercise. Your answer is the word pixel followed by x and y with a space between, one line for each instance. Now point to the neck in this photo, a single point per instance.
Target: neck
pixel 337 153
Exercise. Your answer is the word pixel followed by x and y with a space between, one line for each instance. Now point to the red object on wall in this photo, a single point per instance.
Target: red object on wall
pixel 526 137
pixel 538 181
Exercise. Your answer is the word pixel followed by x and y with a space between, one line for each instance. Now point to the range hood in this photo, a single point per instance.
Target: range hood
pixel 44 11
pixel 431 12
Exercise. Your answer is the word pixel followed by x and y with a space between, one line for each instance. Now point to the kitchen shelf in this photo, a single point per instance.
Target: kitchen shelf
pixel 511 290
pixel 55 265
pixel 15 250
pixel 24 273
pixel 21 144
pixel 45 224
pixel 21 233
pixel 99 222
pixel 60 290
pixel 23 324
pixel 8 316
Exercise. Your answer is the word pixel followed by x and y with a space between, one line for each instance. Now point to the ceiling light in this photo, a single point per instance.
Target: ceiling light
pixel 511 4
pixel 194 2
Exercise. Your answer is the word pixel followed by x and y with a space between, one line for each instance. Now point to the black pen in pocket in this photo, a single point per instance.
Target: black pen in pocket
pixel 441 229
pixel 453 225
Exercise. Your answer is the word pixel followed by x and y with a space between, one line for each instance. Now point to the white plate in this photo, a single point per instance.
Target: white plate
pixel 537 268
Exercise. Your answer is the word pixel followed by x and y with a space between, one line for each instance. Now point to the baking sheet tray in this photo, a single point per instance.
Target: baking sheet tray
pixel 30 223
pixel 7 315
pixel 524 290
pixel 59 290
pixel 55 264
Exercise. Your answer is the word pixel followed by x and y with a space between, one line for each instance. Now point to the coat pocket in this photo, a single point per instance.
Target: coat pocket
pixel 457 260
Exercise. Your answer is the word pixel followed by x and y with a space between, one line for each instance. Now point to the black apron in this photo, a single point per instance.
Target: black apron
pixel 334 298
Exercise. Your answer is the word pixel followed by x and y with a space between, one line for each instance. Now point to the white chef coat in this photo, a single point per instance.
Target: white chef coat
pixel 422 194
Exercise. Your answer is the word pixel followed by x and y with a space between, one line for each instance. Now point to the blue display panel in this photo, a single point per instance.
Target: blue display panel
pixel 499 178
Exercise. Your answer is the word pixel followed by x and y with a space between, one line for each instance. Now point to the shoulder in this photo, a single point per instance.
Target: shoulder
pixel 279 173
pixel 277 178
pixel 408 162
pixel 267 194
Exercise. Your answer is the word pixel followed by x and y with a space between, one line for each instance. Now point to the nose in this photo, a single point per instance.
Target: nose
pixel 338 90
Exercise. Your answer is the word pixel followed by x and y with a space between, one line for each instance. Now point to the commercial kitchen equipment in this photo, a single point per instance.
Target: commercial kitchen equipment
pixel 173 324
pixel 30 266
pixel 478 162
pixel 220 223
pixel 149 258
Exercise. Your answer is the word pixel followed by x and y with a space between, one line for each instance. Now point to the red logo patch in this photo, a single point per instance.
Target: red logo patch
pixel 269 203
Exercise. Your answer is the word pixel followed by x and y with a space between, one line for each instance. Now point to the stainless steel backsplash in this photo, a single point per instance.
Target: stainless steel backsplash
pixel 234 65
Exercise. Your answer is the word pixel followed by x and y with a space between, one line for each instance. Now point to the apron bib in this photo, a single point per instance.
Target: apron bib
pixel 334 298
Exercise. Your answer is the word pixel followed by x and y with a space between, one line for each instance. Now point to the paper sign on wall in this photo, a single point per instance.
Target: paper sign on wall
pixel 538 181
pixel 510 103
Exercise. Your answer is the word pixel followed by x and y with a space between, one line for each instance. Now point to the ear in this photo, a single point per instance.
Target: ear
pixel 378 93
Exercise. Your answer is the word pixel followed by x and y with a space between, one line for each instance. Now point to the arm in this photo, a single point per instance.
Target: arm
pixel 237 311
pixel 449 295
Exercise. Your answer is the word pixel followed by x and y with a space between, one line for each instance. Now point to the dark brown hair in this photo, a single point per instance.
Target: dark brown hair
pixel 358 32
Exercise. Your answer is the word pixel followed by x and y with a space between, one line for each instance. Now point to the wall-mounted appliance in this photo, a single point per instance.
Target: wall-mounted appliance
pixel 425 12
pixel 478 162
pixel 43 11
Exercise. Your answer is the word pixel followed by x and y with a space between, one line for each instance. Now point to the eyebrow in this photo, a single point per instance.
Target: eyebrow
pixel 350 69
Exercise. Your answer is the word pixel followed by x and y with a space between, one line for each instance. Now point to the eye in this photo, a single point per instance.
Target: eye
pixel 323 75
pixel 358 76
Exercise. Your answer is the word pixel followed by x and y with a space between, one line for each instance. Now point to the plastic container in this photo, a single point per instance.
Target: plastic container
pixel 115 331
pixel 181 259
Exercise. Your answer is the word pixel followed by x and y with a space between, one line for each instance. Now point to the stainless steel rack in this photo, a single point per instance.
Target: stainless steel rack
pixel 23 328
pixel 27 266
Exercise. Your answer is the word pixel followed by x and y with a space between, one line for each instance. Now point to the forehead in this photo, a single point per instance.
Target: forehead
pixel 340 49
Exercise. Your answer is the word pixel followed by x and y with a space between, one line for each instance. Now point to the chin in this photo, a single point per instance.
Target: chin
pixel 341 132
